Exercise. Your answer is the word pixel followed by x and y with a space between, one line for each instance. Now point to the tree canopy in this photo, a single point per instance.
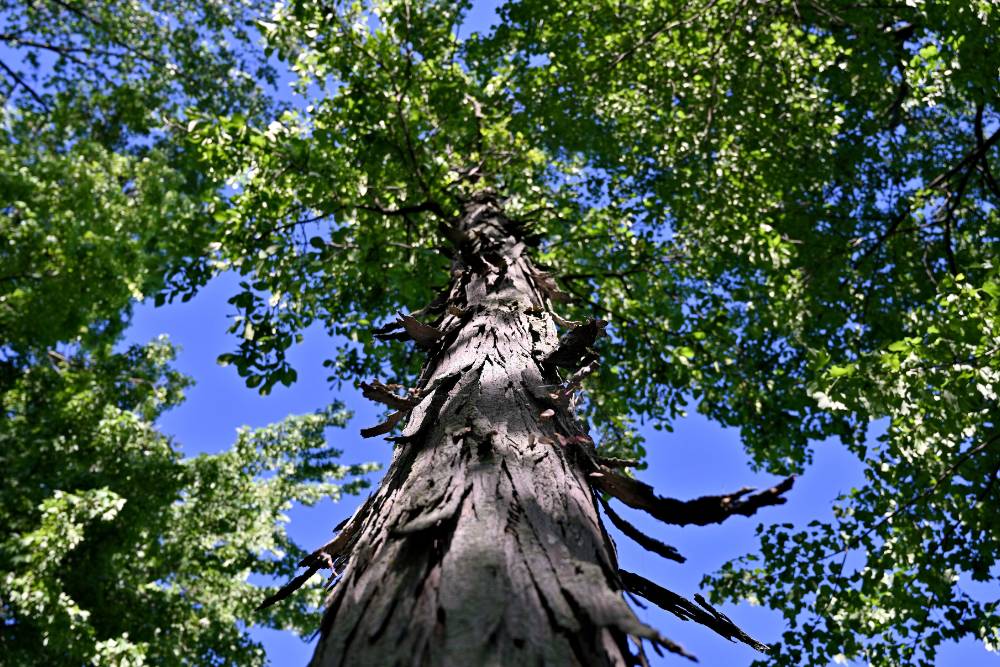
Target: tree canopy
pixel 116 549
pixel 121 552
pixel 786 213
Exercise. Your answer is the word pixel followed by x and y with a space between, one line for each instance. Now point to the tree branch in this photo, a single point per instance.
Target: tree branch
pixel 427 206
pixel 647 39
pixel 18 81
pixel 109 33
pixel 642 539
pixel 945 475
pixel 970 158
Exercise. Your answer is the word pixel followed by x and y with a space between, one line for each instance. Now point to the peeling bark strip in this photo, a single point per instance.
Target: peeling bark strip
pixel 700 511
pixel 376 391
pixel 642 539
pixel 483 545
pixel 684 609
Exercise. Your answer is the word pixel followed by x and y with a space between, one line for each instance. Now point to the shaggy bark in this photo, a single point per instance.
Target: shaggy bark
pixel 483 544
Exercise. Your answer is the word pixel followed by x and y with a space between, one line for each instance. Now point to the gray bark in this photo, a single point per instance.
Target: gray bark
pixel 483 545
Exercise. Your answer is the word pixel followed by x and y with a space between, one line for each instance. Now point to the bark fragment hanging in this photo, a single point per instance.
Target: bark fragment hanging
pixel 575 348
pixel 408 327
pixel 645 541
pixel 700 511
pixel 705 614
pixel 386 394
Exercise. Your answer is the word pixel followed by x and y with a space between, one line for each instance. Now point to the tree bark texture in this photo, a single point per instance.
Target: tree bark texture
pixel 484 545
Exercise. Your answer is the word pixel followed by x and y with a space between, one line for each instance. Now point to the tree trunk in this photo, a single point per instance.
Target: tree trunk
pixel 483 544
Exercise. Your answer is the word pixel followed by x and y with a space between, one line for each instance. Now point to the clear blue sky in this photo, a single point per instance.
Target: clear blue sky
pixel 697 458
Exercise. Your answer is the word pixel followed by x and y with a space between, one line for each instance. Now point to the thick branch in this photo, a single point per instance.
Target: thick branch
pixel 970 158
pixel 424 207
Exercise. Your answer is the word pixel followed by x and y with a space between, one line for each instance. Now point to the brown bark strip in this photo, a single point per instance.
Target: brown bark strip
pixel 575 347
pixel 376 391
pixel 384 427
pixel 408 327
pixel 431 519
pixel 548 286
pixel 422 334
pixel 289 588
pixel 564 394
pixel 333 549
pixel 444 382
pixel 684 609
pixel 322 557
pixel 564 323
pixel 642 539
pixel 611 462
pixel 699 512
pixel 439 392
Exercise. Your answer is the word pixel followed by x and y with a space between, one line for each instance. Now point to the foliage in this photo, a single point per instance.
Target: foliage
pixel 787 212
pixel 881 580
pixel 100 204
pixel 116 549
pixel 827 173
pixel 119 551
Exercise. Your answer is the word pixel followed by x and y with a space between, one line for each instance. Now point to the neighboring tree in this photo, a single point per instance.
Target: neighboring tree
pixel 785 211
pixel 118 551
pixel 115 549
pixel 101 204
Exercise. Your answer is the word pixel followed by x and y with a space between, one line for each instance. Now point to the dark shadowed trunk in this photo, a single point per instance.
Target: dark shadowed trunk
pixel 483 544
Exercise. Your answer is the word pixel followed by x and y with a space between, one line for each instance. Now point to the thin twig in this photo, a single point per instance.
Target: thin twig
pixel 24 84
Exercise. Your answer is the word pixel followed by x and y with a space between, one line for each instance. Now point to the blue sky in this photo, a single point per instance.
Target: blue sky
pixel 698 458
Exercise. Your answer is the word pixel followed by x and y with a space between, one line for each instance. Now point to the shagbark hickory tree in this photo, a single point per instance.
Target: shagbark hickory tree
pixel 785 212
pixel 483 544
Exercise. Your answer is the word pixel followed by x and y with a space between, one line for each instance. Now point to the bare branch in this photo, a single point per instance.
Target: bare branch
pixel 427 206
pixel 909 503
pixel 970 158
pixel 18 81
